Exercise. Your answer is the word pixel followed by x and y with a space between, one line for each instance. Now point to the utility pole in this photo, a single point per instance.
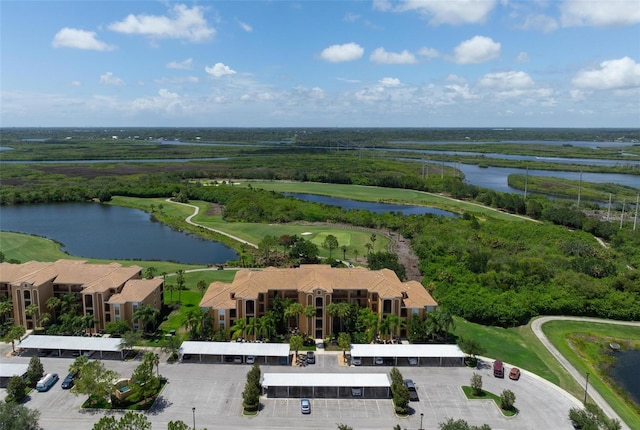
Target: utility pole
pixel 586 385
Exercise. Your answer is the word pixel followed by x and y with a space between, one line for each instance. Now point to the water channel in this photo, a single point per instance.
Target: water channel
pixel 625 373
pixel 92 230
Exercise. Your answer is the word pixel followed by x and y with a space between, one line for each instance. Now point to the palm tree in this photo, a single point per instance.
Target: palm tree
pixel 332 310
pixel 252 328
pixel 193 321
pixel 309 312
pixel 147 314
pixel 6 307
pixel 180 282
pixel 69 303
pixel 445 321
pixel 343 311
pixel 32 311
pixel 15 333
pixel 293 311
pixel 373 239
pixel 89 321
pixel 266 325
pixel 369 247
pixel 54 303
pixel 385 327
pixel 368 320
pixel 155 361
pixel 394 323
pixel 237 329
pixel 170 288
pixel 355 254
pixel 344 252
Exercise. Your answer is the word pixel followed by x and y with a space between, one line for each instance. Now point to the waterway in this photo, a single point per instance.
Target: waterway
pixel 625 373
pixel 93 230
pixel 371 206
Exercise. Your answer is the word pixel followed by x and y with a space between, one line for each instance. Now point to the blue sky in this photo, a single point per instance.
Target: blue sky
pixel 415 63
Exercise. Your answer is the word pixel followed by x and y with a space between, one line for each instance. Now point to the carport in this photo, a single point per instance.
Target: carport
pixel 227 351
pixel 7 370
pixel 425 354
pixel 72 343
pixel 327 385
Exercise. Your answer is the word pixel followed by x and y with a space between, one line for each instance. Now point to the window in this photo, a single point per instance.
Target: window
pixel 232 313
pixel 250 307
pixel 386 306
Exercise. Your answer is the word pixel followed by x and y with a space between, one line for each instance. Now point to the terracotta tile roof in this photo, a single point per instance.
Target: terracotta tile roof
pixel 247 284
pixel 136 290
pixel 16 273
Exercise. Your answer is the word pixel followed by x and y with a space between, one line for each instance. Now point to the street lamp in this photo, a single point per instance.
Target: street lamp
pixel 194 418
pixel 586 385
pixel 421 416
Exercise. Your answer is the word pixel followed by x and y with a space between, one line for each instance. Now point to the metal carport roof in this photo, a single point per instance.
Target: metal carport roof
pixel 235 348
pixel 72 343
pixel 326 380
pixel 394 350
pixel 7 370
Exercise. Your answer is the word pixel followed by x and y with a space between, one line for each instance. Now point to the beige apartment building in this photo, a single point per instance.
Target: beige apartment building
pixel 252 292
pixel 109 292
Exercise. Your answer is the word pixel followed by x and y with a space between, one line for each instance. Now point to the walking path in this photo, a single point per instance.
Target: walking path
pixel 196 210
pixel 536 326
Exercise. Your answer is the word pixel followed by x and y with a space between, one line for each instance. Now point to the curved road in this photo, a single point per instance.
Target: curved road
pixel 536 326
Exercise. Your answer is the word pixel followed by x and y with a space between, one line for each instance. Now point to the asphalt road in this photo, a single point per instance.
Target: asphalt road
pixel 215 390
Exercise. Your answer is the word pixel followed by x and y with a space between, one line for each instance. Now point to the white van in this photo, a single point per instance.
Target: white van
pixel 47 382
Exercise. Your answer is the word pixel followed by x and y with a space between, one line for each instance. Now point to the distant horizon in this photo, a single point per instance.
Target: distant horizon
pixel 166 127
pixel 320 64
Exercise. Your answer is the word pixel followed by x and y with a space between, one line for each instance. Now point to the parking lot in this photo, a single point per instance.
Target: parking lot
pixel 215 390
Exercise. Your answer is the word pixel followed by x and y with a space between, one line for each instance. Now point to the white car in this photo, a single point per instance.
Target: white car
pixel 250 359
pixel 379 361
pixel 356 361
pixel 413 361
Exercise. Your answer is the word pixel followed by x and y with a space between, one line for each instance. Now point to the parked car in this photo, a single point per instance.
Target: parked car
pixel 250 359
pixel 413 361
pixel 356 361
pixel 514 374
pixel 47 382
pixel 356 392
pixel 311 357
pixel 69 381
pixel 411 387
pixel 498 369
pixel 379 361
pixel 237 359
pixel 305 406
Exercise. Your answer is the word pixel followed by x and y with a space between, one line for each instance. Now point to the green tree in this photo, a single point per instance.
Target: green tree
pixel 177 425
pixel 507 399
pixel 17 417
pixel 373 239
pixel 252 389
pixel 445 321
pixel 330 243
pixel 295 343
pixel 238 328
pixel 170 288
pixel 180 281
pixel 78 364
pixel 309 312
pixel 35 371
pixel 344 427
pixel 16 389
pixel 293 311
pixel 344 342
pixel 6 307
pixel 452 424
pixel 130 339
pixel 95 380
pixel 148 315
pixel 266 325
pixel 252 328
pixel 267 247
pixel 476 384
pixel 129 421
pixel 15 333
pixel 150 272
pixel 387 260
pixel 592 418
pixel 193 322
pixel 146 382
pixel 117 328
pixel 344 252
pixel 171 345
pixel 32 312
pixel 202 286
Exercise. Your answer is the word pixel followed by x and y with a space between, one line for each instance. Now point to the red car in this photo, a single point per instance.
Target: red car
pixel 514 374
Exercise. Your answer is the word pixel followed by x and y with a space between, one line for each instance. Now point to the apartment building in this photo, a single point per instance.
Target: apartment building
pixel 252 292
pixel 109 292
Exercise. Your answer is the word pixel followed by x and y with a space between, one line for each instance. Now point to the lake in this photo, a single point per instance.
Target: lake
pixel 370 206
pixel 93 230
pixel 625 373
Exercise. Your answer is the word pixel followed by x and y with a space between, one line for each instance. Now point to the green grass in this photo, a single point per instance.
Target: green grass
pixel 383 195
pixel 582 344
pixel 486 395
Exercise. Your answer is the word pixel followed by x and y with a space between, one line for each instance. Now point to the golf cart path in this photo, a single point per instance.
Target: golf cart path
pixel 196 210
pixel 536 327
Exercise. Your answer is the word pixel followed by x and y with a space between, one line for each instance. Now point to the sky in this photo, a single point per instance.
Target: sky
pixel 380 63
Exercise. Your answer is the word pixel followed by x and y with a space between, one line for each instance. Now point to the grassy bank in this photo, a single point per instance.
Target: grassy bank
pixel 585 345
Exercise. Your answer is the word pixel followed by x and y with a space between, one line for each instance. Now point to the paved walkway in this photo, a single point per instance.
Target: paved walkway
pixel 536 326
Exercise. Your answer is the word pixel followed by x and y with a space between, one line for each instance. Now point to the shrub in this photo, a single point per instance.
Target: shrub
pixel 476 384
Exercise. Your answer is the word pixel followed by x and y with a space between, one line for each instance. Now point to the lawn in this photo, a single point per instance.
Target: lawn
pixel 584 345
pixel 381 194
pixel 486 395
pixel 520 347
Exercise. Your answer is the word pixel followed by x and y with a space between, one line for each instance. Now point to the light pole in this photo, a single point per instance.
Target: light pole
pixel 194 418
pixel 421 416
pixel 586 385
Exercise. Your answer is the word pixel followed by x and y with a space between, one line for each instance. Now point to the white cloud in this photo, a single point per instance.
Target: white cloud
pixel 381 56
pixel 75 83
pixel 612 74
pixel 450 12
pixel 351 17
pixel 522 57
pixel 456 79
pixel 476 50
pixel 109 79
pixel 600 13
pixel 183 23
pixel 540 22
pixel 428 52
pixel 389 82
pixel 219 70
pixel 182 65
pixel 340 53
pixel 246 27
pixel 506 80
pixel 178 80
pixel 79 39
pixel 382 5
pixel 166 101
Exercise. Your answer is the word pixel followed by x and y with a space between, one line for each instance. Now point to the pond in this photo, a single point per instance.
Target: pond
pixel 626 374
pixel 371 206
pixel 93 230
